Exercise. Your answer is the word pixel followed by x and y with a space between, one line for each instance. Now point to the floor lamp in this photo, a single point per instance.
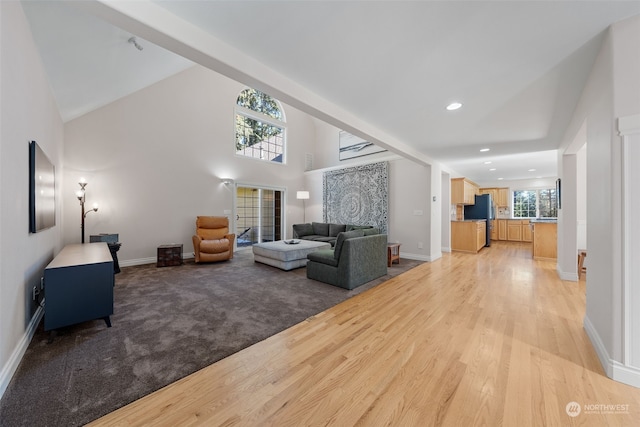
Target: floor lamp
pixel 303 195
pixel 80 194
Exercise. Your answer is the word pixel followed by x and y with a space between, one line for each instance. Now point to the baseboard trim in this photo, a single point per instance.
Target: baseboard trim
pixel 613 369
pixel 148 260
pixel 415 257
pixel 448 250
pixel 572 277
pixel 12 364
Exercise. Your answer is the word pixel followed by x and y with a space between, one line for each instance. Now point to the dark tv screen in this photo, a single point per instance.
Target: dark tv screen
pixel 42 202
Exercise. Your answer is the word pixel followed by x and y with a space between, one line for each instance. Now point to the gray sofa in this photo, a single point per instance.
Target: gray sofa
pixel 326 232
pixel 355 260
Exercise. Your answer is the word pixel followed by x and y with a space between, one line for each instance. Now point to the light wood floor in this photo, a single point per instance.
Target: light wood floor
pixel 489 339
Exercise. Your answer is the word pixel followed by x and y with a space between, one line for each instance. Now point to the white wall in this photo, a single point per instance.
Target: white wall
pixel 28 112
pixel 611 92
pixel 154 160
pixel 410 192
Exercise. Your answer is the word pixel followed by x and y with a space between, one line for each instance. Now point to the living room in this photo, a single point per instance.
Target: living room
pixel 153 161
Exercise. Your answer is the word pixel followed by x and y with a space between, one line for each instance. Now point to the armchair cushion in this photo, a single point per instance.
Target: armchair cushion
pixel 344 236
pixel 301 230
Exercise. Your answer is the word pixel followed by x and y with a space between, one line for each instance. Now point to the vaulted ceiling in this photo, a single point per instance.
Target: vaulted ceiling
pixel 518 67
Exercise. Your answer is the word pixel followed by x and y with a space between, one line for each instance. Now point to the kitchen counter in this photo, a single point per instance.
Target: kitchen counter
pixel 469 220
pixel 468 236
pixel 545 239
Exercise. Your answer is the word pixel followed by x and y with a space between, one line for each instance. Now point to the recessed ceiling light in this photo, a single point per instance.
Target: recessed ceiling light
pixel 500 179
pixel 454 106
pixel 488 162
pixel 492 169
pixel 484 150
pixel 532 170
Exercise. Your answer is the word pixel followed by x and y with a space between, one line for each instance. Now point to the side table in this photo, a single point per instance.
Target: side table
pixel 393 253
pixel 169 255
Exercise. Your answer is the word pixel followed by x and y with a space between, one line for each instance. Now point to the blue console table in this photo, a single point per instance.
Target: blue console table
pixel 78 286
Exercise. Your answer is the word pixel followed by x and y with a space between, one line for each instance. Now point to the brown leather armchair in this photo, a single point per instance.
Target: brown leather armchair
pixel 212 241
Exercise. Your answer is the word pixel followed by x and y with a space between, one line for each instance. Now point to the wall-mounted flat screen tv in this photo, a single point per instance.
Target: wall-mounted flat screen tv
pixel 42 201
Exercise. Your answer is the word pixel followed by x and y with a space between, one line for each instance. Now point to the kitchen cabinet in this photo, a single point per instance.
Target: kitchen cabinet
pixel 468 236
pixel 545 240
pixel 514 230
pixel 463 191
pixel 502 197
pixel 526 231
pixel 494 229
pixel 502 229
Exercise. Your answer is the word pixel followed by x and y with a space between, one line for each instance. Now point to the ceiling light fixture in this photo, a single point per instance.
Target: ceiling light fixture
pixel 488 162
pixel 492 169
pixel 454 106
pixel 134 42
pixel 500 179
pixel 532 170
pixel 484 150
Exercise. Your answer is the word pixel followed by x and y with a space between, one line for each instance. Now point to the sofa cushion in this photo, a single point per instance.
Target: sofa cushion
pixel 334 229
pixel 323 256
pixel 351 227
pixel 370 231
pixel 342 237
pixel 321 228
pixel 302 230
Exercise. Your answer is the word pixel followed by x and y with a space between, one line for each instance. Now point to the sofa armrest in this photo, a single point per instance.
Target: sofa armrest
pixel 323 256
pixel 196 247
pixel 231 237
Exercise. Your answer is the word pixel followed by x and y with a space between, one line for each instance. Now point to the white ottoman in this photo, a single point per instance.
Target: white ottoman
pixel 285 256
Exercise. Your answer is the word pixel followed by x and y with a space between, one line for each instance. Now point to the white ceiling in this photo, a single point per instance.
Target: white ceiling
pixel 518 67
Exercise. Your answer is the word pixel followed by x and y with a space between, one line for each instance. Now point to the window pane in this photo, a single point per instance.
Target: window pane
pixel 524 204
pixel 259 140
pixel 259 102
pixel 548 203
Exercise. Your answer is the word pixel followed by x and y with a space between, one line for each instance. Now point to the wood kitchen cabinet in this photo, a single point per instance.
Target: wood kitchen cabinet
pixel 494 229
pixel 526 231
pixel 502 229
pixel 502 197
pixel 514 230
pixel 468 236
pixel 463 191
pixel 545 240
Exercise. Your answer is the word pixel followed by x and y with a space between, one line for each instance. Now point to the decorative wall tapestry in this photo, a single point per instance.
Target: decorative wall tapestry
pixel 353 146
pixel 357 195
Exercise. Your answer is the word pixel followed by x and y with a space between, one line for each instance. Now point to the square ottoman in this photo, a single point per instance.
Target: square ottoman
pixel 286 256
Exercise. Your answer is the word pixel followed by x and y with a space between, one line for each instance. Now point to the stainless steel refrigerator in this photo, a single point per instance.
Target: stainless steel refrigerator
pixel 482 209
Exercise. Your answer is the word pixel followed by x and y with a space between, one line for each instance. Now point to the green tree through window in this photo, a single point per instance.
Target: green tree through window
pixel 535 203
pixel 259 127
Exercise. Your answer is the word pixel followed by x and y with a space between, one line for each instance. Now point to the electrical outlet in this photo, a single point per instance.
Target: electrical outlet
pixel 419 245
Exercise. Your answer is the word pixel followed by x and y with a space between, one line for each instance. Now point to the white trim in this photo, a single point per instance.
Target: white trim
pixel 415 257
pixel 629 125
pixel 613 369
pixel 448 250
pixel 14 361
pixel 149 260
pixel 572 277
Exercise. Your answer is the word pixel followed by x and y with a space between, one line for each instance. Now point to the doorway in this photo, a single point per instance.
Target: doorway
pixel 258 215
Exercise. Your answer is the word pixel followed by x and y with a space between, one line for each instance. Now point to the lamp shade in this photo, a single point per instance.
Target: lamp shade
pixel 303 195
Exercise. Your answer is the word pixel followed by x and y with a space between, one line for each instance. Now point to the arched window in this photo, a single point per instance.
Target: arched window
pixel 260 127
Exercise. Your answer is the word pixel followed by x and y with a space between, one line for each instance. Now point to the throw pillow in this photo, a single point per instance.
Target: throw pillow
pixel 320 228
pixel 334 229
pixel 302 230
pixel 342 237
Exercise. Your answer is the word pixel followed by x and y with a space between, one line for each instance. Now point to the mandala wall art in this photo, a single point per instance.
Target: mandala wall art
pixel 357 195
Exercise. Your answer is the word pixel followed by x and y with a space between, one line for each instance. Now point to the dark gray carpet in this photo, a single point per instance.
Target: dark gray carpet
pixel 168 323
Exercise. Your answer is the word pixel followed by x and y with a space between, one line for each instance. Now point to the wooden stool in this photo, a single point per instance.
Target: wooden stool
pixel 582 254
pixel 393 253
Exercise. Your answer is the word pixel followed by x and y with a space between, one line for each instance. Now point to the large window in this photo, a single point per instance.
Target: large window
pixel 541 203
pixel 260 130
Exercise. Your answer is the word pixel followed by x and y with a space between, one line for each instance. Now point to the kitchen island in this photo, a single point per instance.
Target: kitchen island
pixel 544 234
pixel 469 235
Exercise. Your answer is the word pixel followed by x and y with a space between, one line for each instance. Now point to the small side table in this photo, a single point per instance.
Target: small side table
pixel 169 255
pixel 393 253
